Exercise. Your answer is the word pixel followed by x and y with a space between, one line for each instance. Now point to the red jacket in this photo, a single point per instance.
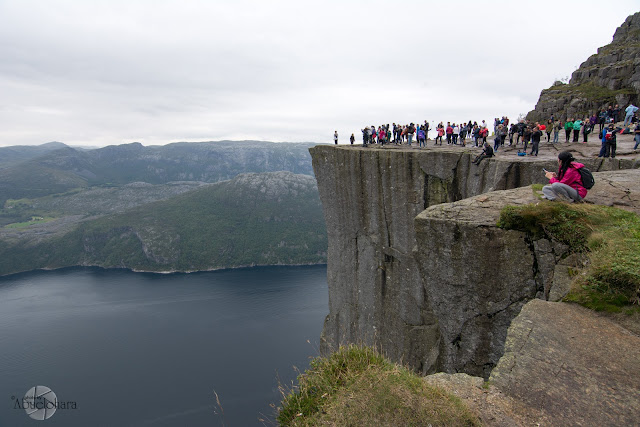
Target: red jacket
pixel 572 178
pixel 449 130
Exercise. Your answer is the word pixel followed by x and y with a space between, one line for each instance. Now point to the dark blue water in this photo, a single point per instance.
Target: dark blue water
pixel 147 349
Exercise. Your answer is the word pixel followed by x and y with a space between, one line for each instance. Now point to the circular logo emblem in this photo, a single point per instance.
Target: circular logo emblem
pixel 40 402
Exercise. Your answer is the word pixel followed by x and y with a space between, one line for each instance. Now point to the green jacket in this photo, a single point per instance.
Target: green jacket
pixel 577 124
pixel 568 126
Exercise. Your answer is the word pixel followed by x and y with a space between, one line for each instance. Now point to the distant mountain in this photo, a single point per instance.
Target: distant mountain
pixel 19 153
pixel 254 219
pixel 67 168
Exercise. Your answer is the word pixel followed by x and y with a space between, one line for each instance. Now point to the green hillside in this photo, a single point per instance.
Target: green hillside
pixel 254 219
pixel 20 153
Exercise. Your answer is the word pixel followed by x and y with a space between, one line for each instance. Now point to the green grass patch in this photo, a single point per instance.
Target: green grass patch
pixel 358 386
pixel 609 236
pixel 32 221
pixel 589 91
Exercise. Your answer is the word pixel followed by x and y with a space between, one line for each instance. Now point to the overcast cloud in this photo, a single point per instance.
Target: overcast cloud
pixel 111 72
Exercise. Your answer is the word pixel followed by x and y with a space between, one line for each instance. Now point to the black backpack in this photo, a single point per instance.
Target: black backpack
pixel 587 178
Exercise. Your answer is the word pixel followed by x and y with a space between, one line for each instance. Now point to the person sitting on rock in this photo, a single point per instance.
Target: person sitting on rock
pixel 567 182
pixel 487 152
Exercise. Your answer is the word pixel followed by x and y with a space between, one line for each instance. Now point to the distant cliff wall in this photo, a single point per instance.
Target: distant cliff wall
pixel 611 76
pixel 398 282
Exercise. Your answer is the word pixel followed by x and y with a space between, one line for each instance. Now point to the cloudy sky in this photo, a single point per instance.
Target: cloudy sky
pixel 96 73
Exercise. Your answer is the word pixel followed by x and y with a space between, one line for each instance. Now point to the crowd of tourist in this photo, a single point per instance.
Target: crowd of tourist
pixel 455 134
pixel 504 132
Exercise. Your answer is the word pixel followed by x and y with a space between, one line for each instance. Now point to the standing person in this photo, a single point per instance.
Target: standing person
pixel 521 128
pixel 410 131
pixel 556 131
pixel 602 119
pixel 568 127
pixel 352 139
pixel 567 182
pixel 610 114
pixel 593 121
pixel 636 134
pixel 440 130
pixel 603 139
pixel 463 134
pixel 512 130
pixel 449 132
pixel 498 138
pixel 421 137
pixel 586 130
pixel 610 141
pixel 535 141
pixel 549 129
pixel 476 134
pixel 484 132
pixel 577 124
pixel 335 137
pixel 527 137
pixel 616 113
pixel 630 110
pixel 456 132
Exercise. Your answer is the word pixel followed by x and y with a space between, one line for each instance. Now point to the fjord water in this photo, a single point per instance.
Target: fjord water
pixel 150 349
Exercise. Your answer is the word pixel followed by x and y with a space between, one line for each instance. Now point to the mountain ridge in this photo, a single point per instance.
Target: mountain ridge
pixel 66 168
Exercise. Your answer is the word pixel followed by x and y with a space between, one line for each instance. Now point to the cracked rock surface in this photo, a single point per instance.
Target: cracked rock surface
pixel 575 367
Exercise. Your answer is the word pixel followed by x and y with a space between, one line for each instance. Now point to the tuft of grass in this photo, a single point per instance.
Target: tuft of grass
pixel 358 386
pixel 609 236
pixel 556 220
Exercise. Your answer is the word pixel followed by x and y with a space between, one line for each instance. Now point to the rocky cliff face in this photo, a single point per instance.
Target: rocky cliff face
pixel 434 286
pixel 609 77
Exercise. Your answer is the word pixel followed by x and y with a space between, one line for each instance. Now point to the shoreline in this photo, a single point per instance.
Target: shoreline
pixel 164 272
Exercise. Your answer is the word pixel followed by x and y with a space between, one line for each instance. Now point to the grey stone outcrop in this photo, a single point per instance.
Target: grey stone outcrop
pixel 574 366
pixel 611 76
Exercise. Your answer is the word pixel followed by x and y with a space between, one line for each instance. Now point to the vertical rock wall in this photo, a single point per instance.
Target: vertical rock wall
pixel 478 276
pixel 386 289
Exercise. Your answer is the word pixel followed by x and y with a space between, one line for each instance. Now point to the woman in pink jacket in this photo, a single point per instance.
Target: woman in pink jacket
pixel 567 182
